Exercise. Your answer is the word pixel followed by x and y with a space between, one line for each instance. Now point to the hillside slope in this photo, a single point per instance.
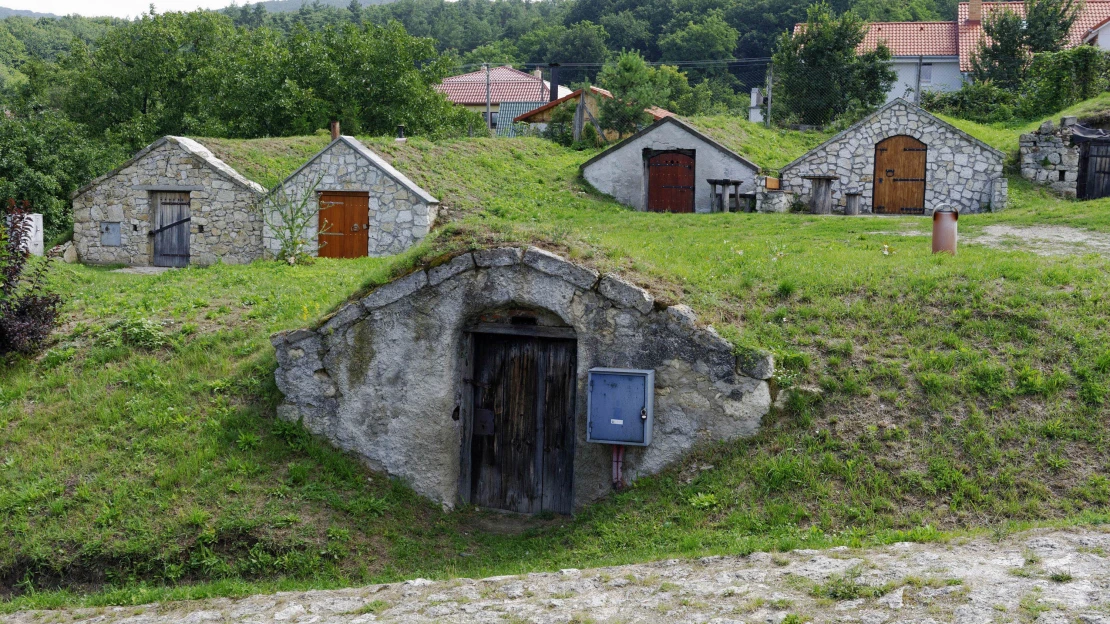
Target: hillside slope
pixel 140 460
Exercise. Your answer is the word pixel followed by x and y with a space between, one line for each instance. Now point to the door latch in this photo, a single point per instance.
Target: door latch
pixel 643 413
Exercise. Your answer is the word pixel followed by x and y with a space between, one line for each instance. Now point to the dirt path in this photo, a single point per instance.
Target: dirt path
pixel 1046 240
pixel 1047 577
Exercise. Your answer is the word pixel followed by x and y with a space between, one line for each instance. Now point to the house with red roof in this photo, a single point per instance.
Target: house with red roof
pixel 937 56
pixel 506 86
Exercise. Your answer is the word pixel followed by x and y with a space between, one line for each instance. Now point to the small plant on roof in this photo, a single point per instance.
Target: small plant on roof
pixel 28 313
pixel 290 216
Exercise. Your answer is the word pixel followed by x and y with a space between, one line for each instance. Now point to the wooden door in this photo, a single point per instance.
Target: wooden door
pixel 671 182
pixel 344 224
pixel 1094 171
pixel 900 176
pixel 172 217
pixel 522 440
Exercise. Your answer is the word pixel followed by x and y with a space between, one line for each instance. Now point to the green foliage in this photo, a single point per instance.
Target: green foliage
pixel 1002 54
pixel 982 102
pixel 710 38
pixel 1047 23
pixel 630 80
pixel 819 76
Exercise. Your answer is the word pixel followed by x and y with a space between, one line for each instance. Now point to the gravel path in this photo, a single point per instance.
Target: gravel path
pixel 1046 240
pixel 1043 576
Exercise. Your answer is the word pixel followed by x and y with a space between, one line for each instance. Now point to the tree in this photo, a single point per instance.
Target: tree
pixel 819 76
pixel 709 39
pixel 502 52
pixel 1002 54
pixel 631 81
pixel 1047 23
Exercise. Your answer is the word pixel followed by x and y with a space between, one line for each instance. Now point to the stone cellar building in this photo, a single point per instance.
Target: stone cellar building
pixel 366 207
pixel 469 380
pixel 173 204
pixel 901 160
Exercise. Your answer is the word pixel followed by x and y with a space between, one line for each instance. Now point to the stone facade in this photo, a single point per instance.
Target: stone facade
pixel 401 213
pixel 1049 159
pixel 226 225
pixel 383 376
pixel 621 170
pixel 960 170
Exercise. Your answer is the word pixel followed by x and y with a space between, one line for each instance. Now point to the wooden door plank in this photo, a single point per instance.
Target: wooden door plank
pixel 559 421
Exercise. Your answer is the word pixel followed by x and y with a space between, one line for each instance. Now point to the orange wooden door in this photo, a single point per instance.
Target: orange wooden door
pixel 671 182
pixel 344 224
pixel 900 176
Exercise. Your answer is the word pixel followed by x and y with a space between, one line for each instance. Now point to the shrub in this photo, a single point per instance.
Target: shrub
pixel 982 102
pixel 28 312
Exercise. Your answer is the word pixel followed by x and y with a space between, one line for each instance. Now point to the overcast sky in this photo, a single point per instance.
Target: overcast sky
pixel 118 8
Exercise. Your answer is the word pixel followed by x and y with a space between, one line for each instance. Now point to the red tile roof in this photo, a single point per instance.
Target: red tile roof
pixel 655 112
pixel 1093 13
pixel 913 38
pixel 506 85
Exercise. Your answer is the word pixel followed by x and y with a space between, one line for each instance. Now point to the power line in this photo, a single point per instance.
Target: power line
pixel 693 64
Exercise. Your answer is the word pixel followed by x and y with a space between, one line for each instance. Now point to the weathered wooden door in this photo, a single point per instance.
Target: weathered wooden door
pixel 671 182
pixel 344 224
pixel 1094 171
pixel 172 217
pixel 522 441
pixel 900 176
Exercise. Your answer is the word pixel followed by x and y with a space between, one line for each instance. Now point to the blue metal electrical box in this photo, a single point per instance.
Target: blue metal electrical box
pixel 620 406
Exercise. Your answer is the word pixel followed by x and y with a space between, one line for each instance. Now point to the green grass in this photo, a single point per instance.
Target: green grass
pixel 1004 136
pixel 141 460
pixel 770 148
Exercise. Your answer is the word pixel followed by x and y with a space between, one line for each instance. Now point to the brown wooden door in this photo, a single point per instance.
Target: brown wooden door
pixel 344 224
pixel 900 176
pixel 172 217
pixel 522 441
pixel 1094 171
pixel 671 182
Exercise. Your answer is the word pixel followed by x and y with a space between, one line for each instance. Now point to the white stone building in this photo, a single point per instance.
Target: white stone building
pixel 666 167
pixel 173 204
pixel 902 160
pixel 366 207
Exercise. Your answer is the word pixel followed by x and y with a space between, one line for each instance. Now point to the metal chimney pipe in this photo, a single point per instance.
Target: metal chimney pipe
pixel 554 90
pixel 334 126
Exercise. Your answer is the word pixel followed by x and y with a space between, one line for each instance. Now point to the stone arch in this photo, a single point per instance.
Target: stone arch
pixel 380 377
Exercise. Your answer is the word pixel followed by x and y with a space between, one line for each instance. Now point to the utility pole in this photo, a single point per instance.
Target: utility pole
pixel 770 82
pixel 917 86
pixel 489 117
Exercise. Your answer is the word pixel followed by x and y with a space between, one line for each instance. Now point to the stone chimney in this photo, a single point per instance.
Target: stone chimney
pixel 334 130
pixel 538 73
pixel 974 11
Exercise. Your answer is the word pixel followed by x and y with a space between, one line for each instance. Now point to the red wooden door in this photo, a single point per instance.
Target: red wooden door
pixel 671 182
pixel 899 176
pixel 344 224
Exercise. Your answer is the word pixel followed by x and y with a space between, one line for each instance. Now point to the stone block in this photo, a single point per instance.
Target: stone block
pixel 501 256
pixel 756 363
pixel 346 315
pixel 447 270
pixel 626 294
pixel 552 264
pixel 393 291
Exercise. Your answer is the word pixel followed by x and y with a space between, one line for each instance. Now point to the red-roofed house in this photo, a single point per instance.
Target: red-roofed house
pixel 505 85
pixel 936 56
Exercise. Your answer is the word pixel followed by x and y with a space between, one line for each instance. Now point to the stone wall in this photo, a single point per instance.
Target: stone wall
pixel 223 204
pixel 401 213
pixel 382 377
pixel 959 170
pixel 1048 158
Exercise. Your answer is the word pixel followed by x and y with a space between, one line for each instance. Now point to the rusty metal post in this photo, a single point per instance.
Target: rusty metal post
pixel 944 229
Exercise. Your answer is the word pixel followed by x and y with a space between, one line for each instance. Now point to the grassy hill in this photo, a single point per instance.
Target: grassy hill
pixel 140 459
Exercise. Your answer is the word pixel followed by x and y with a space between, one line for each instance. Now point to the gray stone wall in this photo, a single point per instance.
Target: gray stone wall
pixel 225 208
pixel 1048 158
pixel 382 377
pixel 960 170
pixel 401 214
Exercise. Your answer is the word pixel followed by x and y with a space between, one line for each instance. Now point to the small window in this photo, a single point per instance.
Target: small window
pixel 201 229
pixel 1062 176
pixel 109 233
pixel 493 119
pixel 927 74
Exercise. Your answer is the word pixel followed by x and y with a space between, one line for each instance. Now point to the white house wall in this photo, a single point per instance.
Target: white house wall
pixel 946 76
pixel 621 172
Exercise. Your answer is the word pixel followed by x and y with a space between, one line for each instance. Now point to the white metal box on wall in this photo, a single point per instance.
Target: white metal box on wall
pixel 620 406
